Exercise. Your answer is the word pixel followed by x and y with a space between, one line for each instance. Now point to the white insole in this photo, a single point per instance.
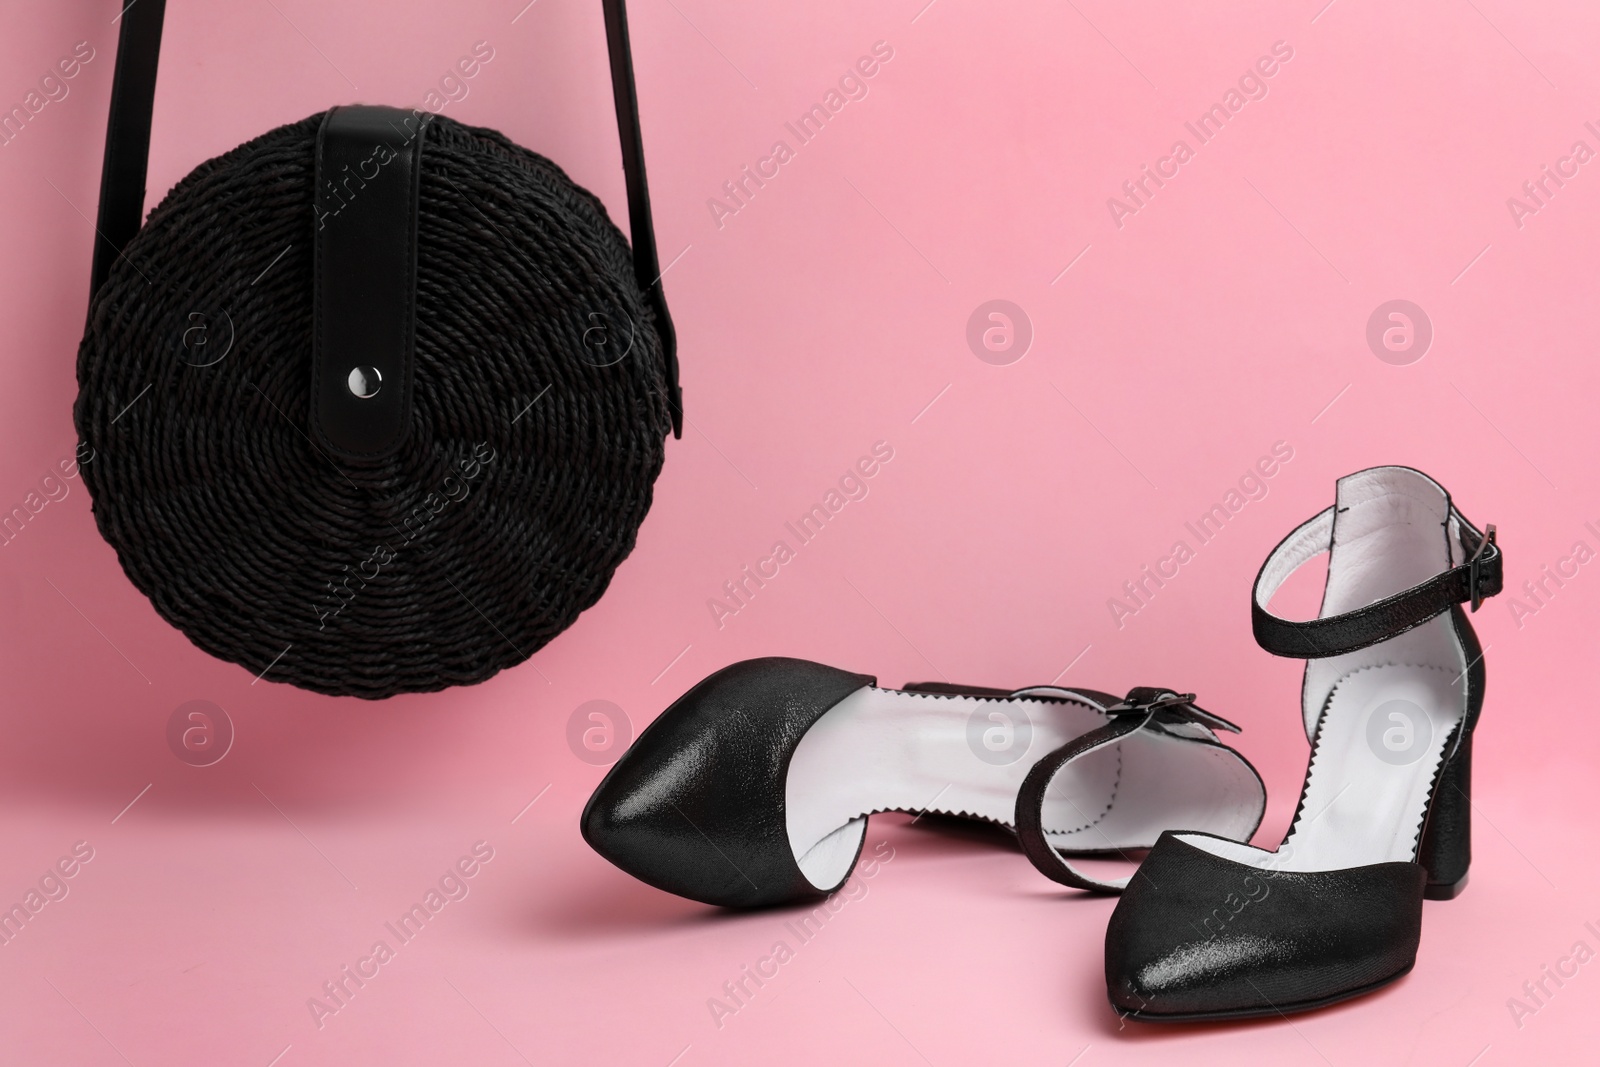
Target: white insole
pixel 1379 746
pixel 889 750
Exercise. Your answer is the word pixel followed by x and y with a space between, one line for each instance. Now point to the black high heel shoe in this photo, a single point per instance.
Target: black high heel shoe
pixel 754 787
pixel 1214 929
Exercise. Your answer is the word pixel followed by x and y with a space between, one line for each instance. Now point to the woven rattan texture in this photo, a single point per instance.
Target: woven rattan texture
pixel 494 525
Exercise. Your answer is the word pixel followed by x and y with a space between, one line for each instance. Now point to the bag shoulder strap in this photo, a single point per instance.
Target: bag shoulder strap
pixel 133 91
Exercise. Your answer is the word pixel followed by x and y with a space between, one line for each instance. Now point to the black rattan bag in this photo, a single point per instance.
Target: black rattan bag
pixel 377 400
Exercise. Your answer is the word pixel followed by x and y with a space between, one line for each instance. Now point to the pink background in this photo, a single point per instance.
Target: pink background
pixel 1228 314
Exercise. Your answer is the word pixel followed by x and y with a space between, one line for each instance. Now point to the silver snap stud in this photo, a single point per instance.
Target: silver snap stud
pixel 364 382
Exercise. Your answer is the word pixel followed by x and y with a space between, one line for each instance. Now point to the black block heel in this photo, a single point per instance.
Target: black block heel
pixel 1446 851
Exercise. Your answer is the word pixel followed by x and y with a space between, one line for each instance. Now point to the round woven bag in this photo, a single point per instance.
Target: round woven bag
pixel 540 389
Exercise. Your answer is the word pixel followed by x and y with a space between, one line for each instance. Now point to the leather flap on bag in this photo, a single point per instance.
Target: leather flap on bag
pixel 367 177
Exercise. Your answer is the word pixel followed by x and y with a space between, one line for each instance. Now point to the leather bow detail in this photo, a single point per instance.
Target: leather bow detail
pixel 1167 707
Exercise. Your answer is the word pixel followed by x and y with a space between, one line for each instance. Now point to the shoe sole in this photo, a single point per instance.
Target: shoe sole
pixel 1261 1012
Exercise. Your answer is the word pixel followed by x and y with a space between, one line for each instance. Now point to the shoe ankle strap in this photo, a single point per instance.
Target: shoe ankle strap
pixel 1469 582
pixel 1145 707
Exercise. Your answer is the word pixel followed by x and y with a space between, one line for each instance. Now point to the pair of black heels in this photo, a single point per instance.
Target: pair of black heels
pixel 754 787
